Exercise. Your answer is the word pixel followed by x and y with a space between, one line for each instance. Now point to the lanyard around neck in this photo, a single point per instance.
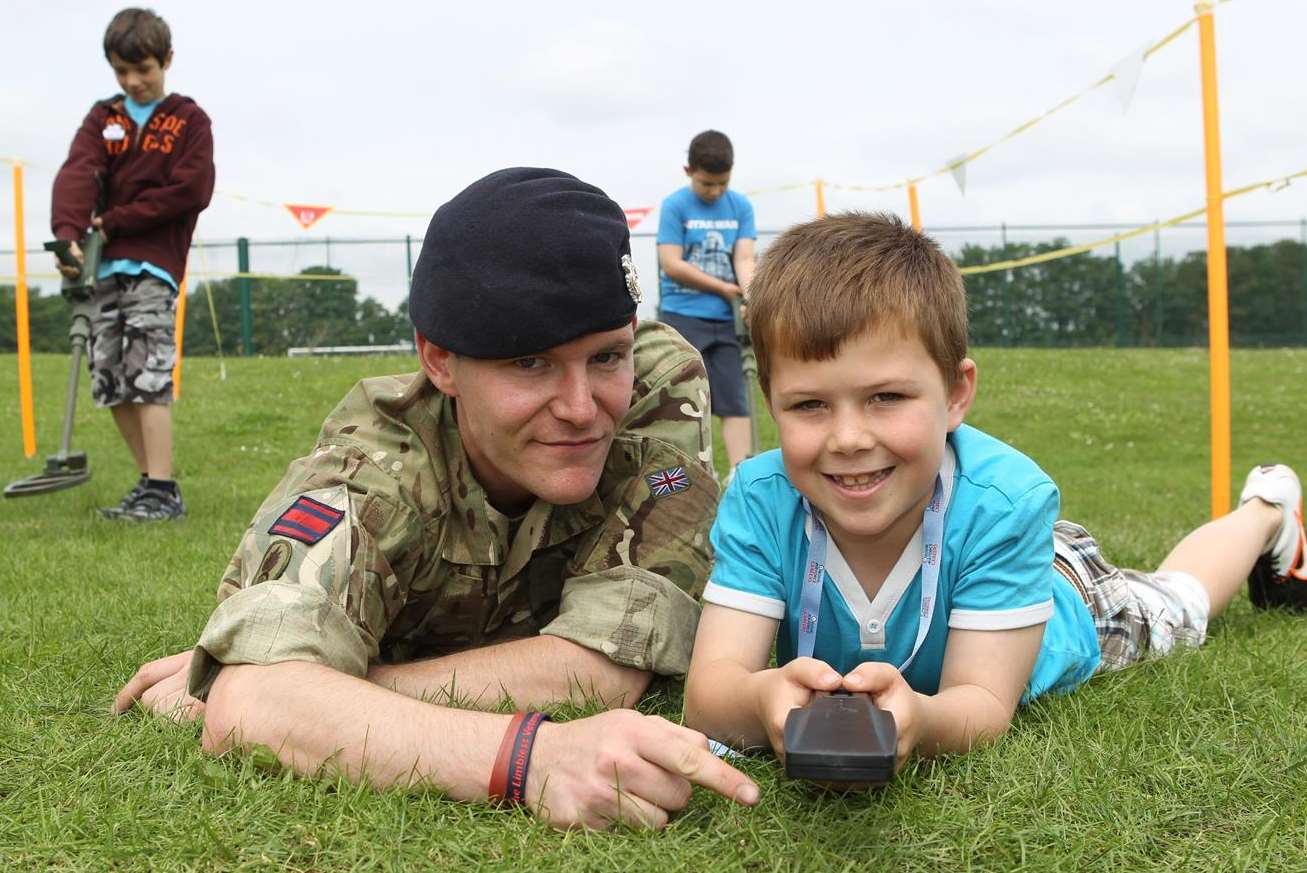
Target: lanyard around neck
pixel 931 555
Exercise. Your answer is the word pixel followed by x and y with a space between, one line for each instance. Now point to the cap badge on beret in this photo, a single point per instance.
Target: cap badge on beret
pixel 632 279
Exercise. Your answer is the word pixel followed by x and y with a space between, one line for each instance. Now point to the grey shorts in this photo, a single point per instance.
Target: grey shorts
pixel 1138 615
pixel 133 344
pixel 720 350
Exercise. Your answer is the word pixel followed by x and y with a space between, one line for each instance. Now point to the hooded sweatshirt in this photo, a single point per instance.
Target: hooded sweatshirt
pixel 158 178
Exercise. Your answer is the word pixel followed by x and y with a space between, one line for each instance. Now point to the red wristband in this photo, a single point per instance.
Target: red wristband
pixel 508 777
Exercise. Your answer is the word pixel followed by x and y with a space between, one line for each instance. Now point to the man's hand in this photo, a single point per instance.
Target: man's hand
pixel 76 251
pixel 627 767
pixel 782 689
pixel 729 291
pixel 160 686
pixel 891 692
pixel 98 224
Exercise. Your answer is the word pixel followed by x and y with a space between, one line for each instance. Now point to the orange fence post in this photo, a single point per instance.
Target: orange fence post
pixel 1217 294
pixel 913 209
pixel 28 414
pixel 819 185
pixel 179 330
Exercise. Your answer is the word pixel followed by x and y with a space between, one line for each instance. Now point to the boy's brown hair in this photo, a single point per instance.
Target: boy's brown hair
pixel 136 34
pixel 826 281
pixel 712 152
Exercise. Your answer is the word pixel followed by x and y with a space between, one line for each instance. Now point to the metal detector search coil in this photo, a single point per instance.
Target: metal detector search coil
pixel 67 468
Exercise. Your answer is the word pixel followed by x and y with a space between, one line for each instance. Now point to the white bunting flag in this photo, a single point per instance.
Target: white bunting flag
pixel 1125 76
pixel 960 172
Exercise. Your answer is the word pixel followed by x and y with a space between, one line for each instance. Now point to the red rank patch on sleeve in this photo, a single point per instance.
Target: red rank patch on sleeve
pixel 307 520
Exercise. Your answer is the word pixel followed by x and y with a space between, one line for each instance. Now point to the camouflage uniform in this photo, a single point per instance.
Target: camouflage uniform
pixel 420 565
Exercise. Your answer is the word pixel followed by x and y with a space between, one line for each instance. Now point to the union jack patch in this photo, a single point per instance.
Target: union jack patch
pixel 307 520
pixel 668 481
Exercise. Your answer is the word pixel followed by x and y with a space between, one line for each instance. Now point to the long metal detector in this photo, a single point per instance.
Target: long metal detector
pixel 749 363
pixel 67 468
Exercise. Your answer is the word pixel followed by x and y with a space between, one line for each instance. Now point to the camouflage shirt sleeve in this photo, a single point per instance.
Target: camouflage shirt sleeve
pixel 323 568
pixel 633 585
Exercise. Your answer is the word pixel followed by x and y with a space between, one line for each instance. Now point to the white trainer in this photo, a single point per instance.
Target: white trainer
pixel 1279 579
pixel 1277 484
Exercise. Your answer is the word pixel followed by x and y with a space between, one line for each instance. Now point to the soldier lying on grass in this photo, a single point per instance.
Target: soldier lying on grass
pixel 527 517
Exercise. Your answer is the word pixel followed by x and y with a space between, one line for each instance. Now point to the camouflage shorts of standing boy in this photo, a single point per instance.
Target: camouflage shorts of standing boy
pixel 133 344
pixel 1138 615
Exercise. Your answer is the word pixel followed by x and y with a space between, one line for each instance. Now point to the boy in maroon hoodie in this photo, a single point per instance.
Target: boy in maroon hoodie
pixel 153 151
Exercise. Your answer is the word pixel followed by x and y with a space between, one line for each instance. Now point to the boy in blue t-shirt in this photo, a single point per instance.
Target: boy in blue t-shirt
pixel 706 237
pixel 889 548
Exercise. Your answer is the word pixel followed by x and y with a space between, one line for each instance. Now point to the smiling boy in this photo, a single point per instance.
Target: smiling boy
pixel 889 548
pixel 152 153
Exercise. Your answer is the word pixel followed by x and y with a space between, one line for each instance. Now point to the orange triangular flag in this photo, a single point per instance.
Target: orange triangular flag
pixel 307 216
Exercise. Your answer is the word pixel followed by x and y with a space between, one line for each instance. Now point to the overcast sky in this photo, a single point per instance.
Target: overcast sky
pixel 397 106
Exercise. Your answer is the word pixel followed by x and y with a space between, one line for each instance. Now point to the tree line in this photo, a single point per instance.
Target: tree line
pixel 1085 300
pixel 285 313
pixel 291 313
pixel 1095 300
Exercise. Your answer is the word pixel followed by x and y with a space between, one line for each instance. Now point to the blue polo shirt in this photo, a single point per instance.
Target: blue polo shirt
pixel 996 574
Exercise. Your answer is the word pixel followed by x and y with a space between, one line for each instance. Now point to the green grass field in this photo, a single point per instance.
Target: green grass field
pixel 1198 762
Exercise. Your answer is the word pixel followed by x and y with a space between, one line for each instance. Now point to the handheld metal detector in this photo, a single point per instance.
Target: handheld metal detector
pixel 67 468
pixel 840 737
pixel 748 363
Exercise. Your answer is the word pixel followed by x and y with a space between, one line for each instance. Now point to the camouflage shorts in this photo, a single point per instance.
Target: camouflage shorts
pixel 133 346
pixel 1138 615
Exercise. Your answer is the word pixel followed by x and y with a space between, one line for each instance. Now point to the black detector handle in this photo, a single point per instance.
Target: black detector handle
pixel 79 287
pixel 840 737
pixel 62 249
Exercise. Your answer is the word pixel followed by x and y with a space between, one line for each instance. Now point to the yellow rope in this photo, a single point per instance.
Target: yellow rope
pixel 1020 128
pixel 1016 263
pixel 1138 231
pixel 794 186
pixel 365 212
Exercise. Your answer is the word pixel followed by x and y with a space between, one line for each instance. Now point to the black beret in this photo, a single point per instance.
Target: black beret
pixel 521 261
